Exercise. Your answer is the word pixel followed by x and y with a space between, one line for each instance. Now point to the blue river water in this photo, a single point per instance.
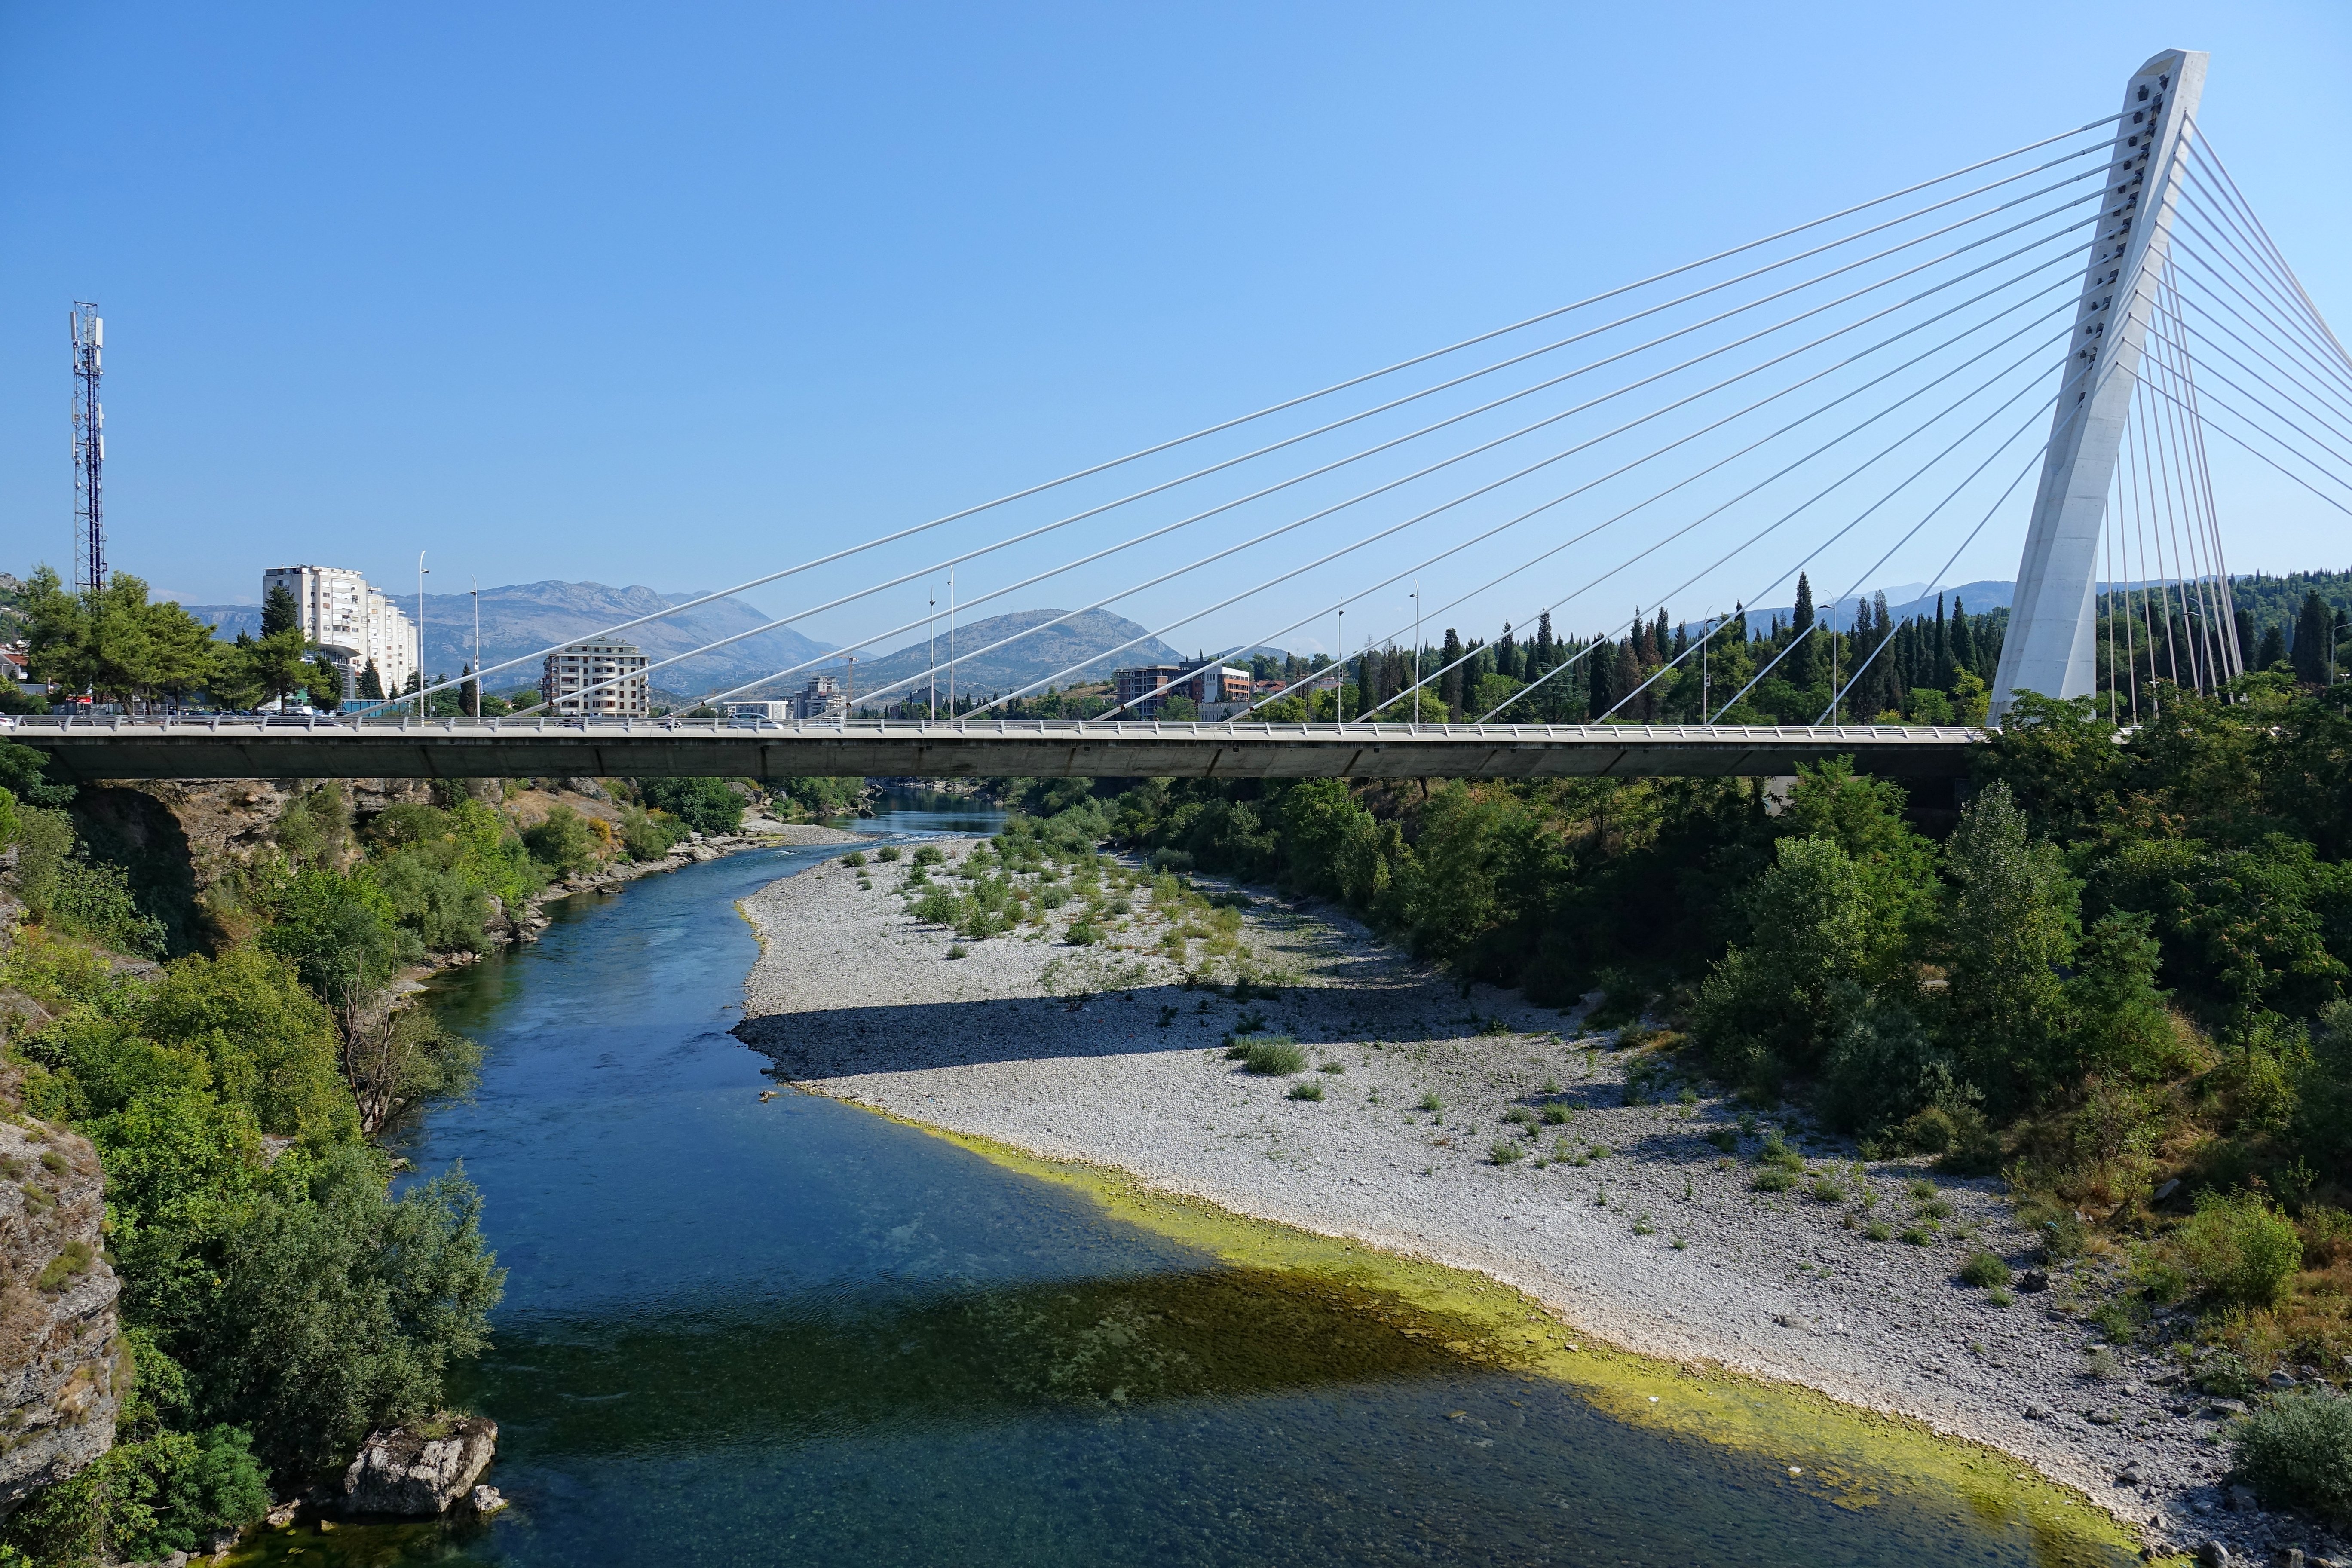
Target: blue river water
pixel 748 1332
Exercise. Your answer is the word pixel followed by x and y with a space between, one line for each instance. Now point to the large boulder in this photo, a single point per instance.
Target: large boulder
pixel 62 1366
pixel 418 1471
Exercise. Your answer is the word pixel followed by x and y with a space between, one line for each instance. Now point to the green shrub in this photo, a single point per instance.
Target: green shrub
pixel 562 841
pixel 646 836
pixel 928 855
pixel 1506 1152
pixel 854 858
pixel 2295 1451
pixel 1556 1115
pixel 1311 1090
pixel 1774 1179
pixel 958 950
pixel 1725 1138
pixel 1326 1066
pixel 1273 1056
pixel 888 852
pixel 1431 1103
pixel 704 804
pixel 1919 1235
pixel 1985 1270
pixel 1828 1189
pixel 2241 1250
pixel 1082 933
pixel 70 1264
pixel 1879 1230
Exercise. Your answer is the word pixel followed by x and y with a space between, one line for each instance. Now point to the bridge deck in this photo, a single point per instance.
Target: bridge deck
pixel 226 746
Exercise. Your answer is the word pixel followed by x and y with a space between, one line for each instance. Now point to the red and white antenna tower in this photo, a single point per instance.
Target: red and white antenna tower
pixel 88 450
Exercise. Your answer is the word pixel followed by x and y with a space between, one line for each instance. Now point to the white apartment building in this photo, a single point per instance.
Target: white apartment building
pixel 576 666
pixel 354 624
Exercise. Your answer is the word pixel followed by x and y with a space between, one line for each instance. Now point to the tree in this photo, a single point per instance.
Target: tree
pixel 370 683
pixel 2009 928
pixel 112 642
pixel 1450 683
pixel 233 684
pixel 2272 652
pixel 280 611
pixel 1799 669
pixel 322 682
pixel 275 663
pixel 2314 655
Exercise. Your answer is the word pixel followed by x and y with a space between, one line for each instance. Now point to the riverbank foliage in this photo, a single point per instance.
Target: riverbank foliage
pixel 278 1296
pixel 2118 969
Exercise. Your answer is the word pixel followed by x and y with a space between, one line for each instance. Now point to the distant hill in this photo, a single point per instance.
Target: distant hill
pixel 1081 641
pixel 521 618
pixel 1903 600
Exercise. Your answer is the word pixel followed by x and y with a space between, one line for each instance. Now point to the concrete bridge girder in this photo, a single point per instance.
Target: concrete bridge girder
pixel 193 749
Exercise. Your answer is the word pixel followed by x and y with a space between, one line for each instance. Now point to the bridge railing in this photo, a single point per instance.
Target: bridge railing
pixel 951 729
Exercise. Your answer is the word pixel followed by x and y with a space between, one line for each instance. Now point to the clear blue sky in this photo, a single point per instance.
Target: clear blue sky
pixel 664 294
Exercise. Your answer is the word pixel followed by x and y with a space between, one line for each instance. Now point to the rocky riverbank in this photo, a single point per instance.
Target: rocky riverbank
pixel 1477 1132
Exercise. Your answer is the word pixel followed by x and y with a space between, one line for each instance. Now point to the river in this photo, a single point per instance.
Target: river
pixel 748 1333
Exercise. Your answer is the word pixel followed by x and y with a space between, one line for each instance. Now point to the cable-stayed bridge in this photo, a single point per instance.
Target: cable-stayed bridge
pixel 2036 345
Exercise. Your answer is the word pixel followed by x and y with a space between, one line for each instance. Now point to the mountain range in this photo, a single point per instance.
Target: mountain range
pixel 521 618
pixel 1084 640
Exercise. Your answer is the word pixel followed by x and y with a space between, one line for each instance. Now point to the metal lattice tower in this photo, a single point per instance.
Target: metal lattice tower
pixel 2051 643
pixel 88 450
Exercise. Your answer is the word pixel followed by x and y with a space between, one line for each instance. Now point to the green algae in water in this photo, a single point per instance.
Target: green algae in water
pixel 794 1332
pixel 1375 1410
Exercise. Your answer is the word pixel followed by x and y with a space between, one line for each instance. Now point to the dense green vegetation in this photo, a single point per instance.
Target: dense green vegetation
pixel 2120 970
pixel 278 1296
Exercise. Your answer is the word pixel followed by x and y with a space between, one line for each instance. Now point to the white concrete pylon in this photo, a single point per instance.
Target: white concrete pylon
pixel 2051 640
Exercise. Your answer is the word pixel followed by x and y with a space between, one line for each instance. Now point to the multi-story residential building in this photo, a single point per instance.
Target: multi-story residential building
pixel 822 697
pixel 354 624
pixel 1141 690
pixel 573 667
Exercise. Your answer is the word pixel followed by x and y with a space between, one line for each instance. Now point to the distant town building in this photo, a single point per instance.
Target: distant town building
pixel 1143 690
pixel 822 697
pixel 576 666
pixel 353 624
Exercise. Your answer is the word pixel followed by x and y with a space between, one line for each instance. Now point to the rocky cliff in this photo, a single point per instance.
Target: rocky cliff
pixel 62 1366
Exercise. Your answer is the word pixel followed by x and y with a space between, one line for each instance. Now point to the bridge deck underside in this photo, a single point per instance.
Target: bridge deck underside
pixel 464 750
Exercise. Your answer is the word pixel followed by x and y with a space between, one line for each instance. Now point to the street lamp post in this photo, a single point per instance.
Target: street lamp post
pixel 420 634
pixel 477 645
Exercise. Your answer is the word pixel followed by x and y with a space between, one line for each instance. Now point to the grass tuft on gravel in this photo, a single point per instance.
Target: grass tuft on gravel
pixel 1985 1270
pixel 1273 1055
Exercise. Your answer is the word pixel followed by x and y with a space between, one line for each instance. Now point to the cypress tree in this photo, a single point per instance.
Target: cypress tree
pixel 1507 654
pixel 1964 647
pixel 2312 654
pixel 2271 649
pixel 1601 667
pixel 1449 684
pixel 1545 648
pixel 1798 667
pixel 372 683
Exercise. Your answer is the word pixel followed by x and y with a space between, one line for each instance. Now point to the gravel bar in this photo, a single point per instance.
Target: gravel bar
pixel 1659 1245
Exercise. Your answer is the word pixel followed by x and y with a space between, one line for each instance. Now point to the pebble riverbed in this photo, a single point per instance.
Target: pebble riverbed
pixel 1660 1245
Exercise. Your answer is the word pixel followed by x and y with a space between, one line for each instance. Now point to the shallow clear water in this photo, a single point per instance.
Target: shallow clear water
pixel 793 1333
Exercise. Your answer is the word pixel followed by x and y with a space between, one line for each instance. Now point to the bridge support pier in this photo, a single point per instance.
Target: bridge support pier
pixel 2052 635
